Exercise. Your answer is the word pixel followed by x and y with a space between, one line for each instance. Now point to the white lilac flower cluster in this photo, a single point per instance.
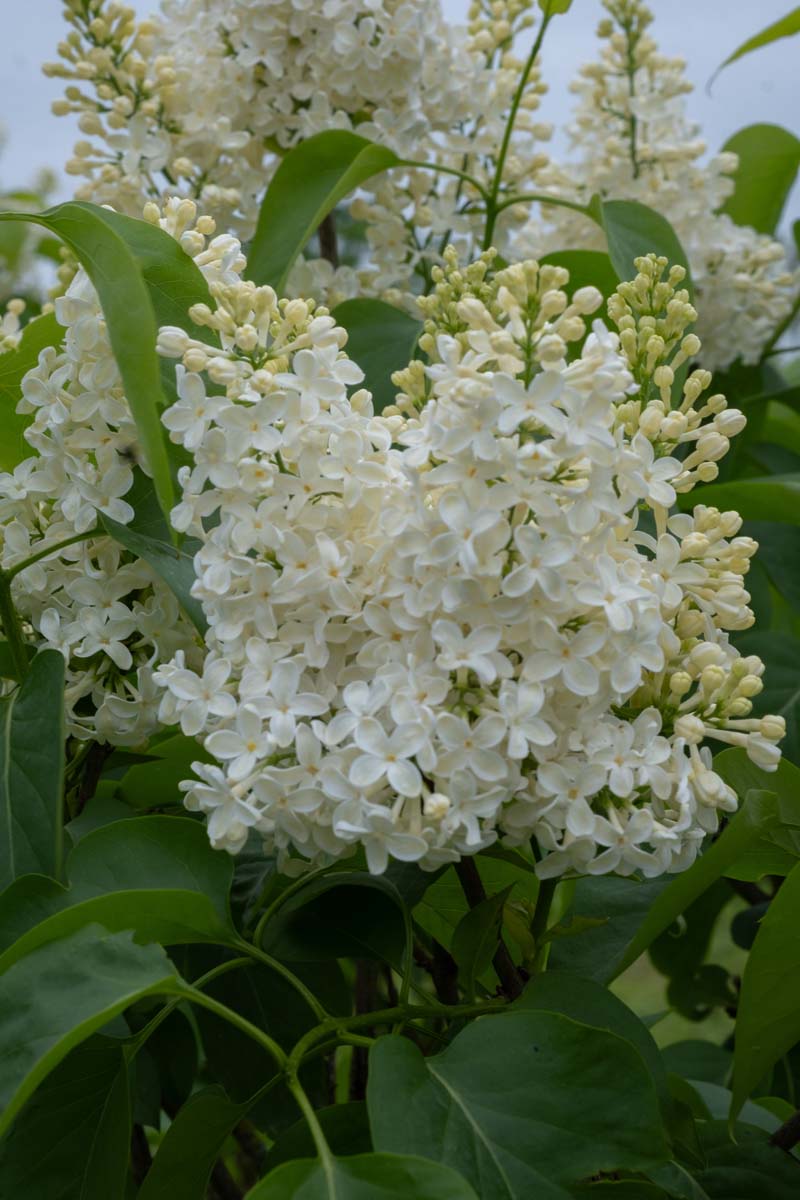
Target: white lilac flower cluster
pixel 394 70
pixel 632 141
pixel 397 72
pixel 101 606
pixel 281 70
pixel 450 623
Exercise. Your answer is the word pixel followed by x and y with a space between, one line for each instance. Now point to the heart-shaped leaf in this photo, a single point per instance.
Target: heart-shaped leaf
pixel 90 1091
pixel 62 993
pixel 524 1104
pixel 157 876
pixel 363 1177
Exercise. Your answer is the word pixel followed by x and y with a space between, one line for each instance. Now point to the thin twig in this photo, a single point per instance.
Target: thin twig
pixel 328 241
pixel 366 999
pixel 141 1158
pixel 224 1185
pixel 475 893
pixel 787 1137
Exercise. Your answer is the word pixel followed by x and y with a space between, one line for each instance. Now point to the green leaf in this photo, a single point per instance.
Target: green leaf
pixel 743 776
pixel 781 425
pixel 769 157
pixel 172 278
pixel 779 555
pixel 766 498
pixel 443 904
pixel 14 365
pixel 157 876
pixel 759 811
pixel 87 1099
pixel 587 268
pixel 187 1152
pixel 155 784
pixel 32 771
pixel 130 317
pixel 696 1059
pixel 717 1101
pixel 781 696
pixel 62 993
pixel 616 907
pixel 768 1022
pixel 634 230
pixel 680 951
pixel 8 668
pixel 173 564
pixel 678 1181
pixel 784 27
pixel 762 858
pixel 363 1177
pixel 265 999
pixel 524 1104
pixel 590 1003
pixel 347 914
pixel 747 1169
pixel 552 7
pixel 308 184
pixel 476 937
pixel 381 339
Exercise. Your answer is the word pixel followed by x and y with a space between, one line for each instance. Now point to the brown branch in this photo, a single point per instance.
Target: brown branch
pixel 366 1002
pixel 328 241
pixel 223 1185
pixel 787 1137
pixel 90 777
pixel 475 893
pixel 141 1158
pixel 252 1153
pixel 444 973
pixel 750 892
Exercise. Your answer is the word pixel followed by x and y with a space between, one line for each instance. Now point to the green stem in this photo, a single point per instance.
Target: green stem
pixel 54 549
pixel 782 350
pixel 631 73
pixel 294 887
pixel 307 1109
pixel 784 325
pixel 336 1026
pixel 463 175
pixel 12 627
pixel 541 198
pixel 541 916
pixel 141 1037
pixel 233 1018
pixel 408 958
pixel 491 203
pixel 278 967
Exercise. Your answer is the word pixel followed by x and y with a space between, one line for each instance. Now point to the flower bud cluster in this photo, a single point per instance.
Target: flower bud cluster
pixel 633 141
pixel 11 325
pixel 442 625
pixel 652 315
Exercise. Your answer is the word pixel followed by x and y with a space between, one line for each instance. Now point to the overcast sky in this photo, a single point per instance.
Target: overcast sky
pixel 761 87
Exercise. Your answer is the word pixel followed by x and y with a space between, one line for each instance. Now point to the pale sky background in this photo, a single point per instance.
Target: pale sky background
pixel 760 87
